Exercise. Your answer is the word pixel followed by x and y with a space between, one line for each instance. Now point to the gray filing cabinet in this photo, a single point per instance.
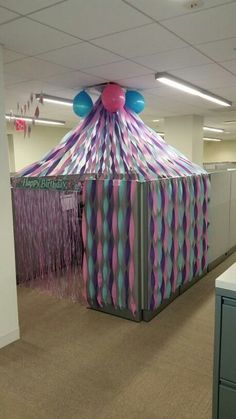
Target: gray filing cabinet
pixel 224 382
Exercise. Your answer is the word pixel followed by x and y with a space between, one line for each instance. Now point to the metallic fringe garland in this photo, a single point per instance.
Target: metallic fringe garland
pixel 48 242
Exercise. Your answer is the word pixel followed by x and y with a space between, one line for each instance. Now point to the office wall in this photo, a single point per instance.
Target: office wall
pixel 11 153
pixel 222 214
pixel 219 151
pixel 185 134
pixel 30 149
pixel 9 328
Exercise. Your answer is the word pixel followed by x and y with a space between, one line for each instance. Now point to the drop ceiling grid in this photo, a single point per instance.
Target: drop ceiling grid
pixel 121 56
pixel 91 70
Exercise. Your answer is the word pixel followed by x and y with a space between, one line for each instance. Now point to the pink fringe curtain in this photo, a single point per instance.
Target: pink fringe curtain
pixel 48 241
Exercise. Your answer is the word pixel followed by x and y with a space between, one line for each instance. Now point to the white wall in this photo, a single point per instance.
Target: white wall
pixel 11 153
pixel 222 151
pixel 9 329
pixel 185 134
pixel 30 149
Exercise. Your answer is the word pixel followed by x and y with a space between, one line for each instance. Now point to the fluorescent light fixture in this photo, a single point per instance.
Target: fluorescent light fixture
pixel 213 129
pixel 39 121
pixel 54 99
pixel 162 134
pixel 23 118
pixel 211 139
pixel 230 122
pixel 190 88
pixel 155 120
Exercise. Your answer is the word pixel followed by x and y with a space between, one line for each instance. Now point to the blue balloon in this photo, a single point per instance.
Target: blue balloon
pixel 134 101
pixel 82 104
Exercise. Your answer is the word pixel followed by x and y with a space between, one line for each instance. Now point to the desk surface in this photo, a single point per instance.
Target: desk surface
pixel 227 280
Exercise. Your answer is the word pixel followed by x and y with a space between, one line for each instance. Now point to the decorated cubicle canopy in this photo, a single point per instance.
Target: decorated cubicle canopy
pixel 143 205
pixel 111 146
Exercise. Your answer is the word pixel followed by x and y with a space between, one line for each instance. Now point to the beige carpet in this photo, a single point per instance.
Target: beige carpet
pixel 76 363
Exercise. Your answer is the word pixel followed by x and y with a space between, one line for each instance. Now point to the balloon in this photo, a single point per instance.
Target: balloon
pixel 82 104
pixel 134 101
pixel 113 98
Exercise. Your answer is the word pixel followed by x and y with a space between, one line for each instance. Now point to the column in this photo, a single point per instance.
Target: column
pixel 9 329
pixel 185 134
pixel 11 152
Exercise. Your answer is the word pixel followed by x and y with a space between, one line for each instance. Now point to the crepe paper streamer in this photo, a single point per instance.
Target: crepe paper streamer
pixel 121 250
pixel 179 238
pixel 84 245
pixel 105 242
pixel 114 289
pixel 99 192
pixel 131 231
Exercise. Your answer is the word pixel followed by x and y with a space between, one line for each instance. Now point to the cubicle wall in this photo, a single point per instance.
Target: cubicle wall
pixel 222 214
pixel 232 212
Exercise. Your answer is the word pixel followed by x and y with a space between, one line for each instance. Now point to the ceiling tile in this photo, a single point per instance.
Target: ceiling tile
pixel 26 6
pixel 164 9
pixel 33 68
pixel 171 60
pixel 140 82
pixel 207 25
pixel 229 92
pixel 10 79
pixel 220 50
pixel 147 40
pixel 175 105
pixel 230 65
pixel 31 38
pixel 9 56
pixel 80 56
pixel 6 15
pixel 118 71
pixel 74 79
pixel 91 19
pixel 36 86
pixel 206 76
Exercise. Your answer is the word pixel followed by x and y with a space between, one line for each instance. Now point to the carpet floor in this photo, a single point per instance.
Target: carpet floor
pixel 73 363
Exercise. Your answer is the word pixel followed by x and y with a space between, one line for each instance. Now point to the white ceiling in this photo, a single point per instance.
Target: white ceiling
pixel 61 46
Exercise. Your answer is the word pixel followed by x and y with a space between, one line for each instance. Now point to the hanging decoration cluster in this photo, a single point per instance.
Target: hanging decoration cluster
pixel 17 119
pixel 114 99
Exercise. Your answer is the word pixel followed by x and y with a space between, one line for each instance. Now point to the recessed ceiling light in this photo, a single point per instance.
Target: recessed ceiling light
pixel 155 120
pixel 190 88
pixel 39 121
pixel 54 99
pixel 212 129
pixel 211 139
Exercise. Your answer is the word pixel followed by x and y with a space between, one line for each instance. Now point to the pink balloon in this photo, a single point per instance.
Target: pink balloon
pixel 113 97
